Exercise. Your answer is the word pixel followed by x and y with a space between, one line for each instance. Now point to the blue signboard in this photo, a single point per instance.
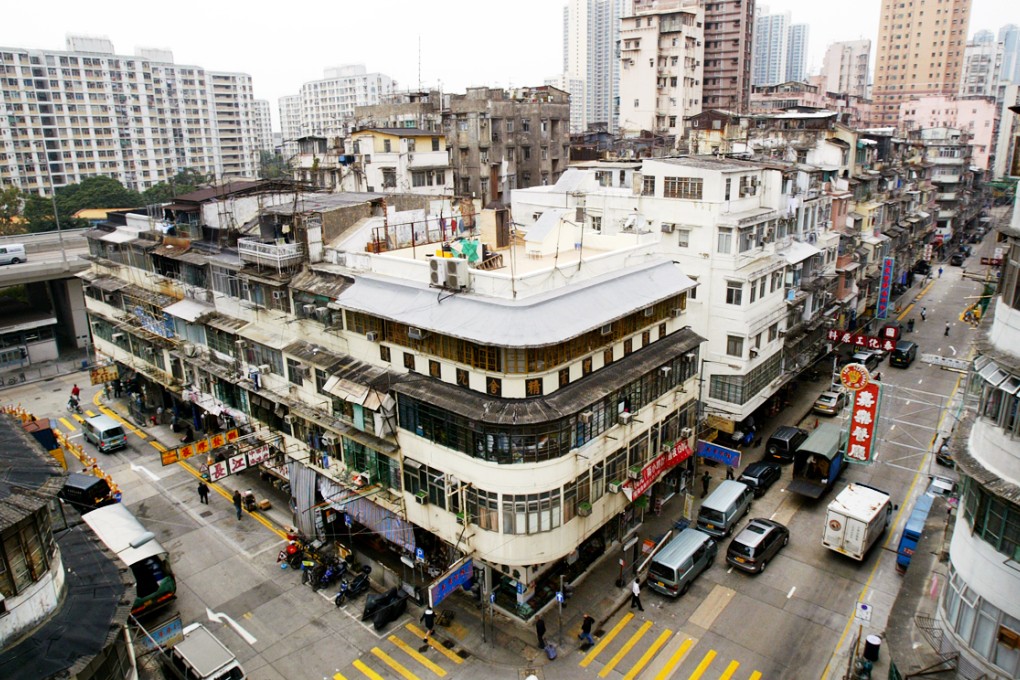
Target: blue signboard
pixel 450 581
pixel 727 456
pixel 419 554
pixel 166 634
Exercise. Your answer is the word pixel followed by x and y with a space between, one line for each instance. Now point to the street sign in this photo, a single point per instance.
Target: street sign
pixel 722 454
pixel 948 362
pixel 559 596
pixel 863 612
pixel 419 554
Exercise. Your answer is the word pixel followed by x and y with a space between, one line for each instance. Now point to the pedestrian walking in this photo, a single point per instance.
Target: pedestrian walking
pixel 910 325
pixel 585 634
pixel 237 503
pixel 729 472
pixel 947 329
pixel 635 595
pixel 705 479
pixel 924 313
pixel 116 389
pixel 940 272
pixel 203 492
pixel 428 617
pixel 540 629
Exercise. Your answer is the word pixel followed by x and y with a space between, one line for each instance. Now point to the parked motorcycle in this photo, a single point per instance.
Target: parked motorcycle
pixel 335 569
pixel 341 596
pixel 360 583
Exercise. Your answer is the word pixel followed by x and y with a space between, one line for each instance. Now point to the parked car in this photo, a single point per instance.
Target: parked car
pixel 756 544
pixel 904 354
pixel 869 358
pixel 922 267
pixel 957 259
pixel 829 403
pixel 760 476
pixel 785 441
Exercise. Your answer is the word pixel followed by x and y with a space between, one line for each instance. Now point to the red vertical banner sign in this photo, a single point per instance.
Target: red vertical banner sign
pixel 863 421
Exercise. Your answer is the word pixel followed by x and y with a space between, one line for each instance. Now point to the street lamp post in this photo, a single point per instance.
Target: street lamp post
pixel 53 197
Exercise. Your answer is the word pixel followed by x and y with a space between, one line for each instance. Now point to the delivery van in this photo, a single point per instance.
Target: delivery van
pixel 201 656
pixel 104 432
pixel 724 507
pixel 675 566
pixel 12 253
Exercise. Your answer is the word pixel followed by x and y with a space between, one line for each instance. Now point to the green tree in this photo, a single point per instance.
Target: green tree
pixel 184 182
pixel 10 211
pixel 96 192
pixel 273 166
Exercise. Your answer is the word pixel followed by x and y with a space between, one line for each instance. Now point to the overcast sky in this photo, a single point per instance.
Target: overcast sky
pixel 462 42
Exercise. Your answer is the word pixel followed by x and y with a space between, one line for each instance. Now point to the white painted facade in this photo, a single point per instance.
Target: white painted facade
pixel 87 112
pixel 661 69
pixel 327 105
pixel 416 164
pixel 845 67
pixel 263 125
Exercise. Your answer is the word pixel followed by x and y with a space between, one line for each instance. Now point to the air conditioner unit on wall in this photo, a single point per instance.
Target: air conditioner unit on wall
pixel 416 333
pixel 586 417
pixel 421 498
pixel 328 439
pixel 372 336
pixel 668 228
pixel 289 419
pixel 614 487
pixel 265 368
pixel 626 417
pixel 308 309
pixel 117 337
pixel 686 432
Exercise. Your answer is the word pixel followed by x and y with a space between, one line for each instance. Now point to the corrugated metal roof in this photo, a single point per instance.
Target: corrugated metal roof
pixel 327 285
pixel 29 477
pixel 312 354
pixel 227 324
pixel 536 321
pixel 564 402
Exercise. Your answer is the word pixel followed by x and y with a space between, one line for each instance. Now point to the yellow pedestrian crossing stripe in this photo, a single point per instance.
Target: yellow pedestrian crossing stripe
pixel 339 676
pixel 667 670
pixel 648 655
pixel 661 659
pixel 417 656
pixel 67 424
pixel 394 664
pixel 625 649
pixel 434 643
pixel 369 673
pixel 604 642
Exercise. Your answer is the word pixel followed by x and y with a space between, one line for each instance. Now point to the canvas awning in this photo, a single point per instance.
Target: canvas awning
pixel 189 310
pixel 353 392
pixel 799 251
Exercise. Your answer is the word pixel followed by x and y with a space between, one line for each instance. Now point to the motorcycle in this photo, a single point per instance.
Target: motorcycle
pixel 73 406
pixel 354 587
pixel 334 569
pixel 341 596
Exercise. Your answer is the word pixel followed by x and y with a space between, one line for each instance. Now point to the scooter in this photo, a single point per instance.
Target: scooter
pixel 334 569
pixel 360 583
pixel 341 595
pixel 74 406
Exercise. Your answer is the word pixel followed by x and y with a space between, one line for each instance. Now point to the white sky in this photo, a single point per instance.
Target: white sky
pixel 462 42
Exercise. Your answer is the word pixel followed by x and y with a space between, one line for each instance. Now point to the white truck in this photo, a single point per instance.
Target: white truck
pixel 856 519
pixel 201 656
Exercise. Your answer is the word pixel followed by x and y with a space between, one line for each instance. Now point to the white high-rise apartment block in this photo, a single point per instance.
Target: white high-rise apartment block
pixel 771 46
pixel 576 88
pixel 796 53
pixel 326 107
pixel 1009 36
pixel 591 29
pixel 290 123
pixel 845 67
pixel 69 115
pixel 982 61
pixel 661 57
pixel 263 125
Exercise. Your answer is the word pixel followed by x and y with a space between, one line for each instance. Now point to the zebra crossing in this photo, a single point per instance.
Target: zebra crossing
pixel 405 656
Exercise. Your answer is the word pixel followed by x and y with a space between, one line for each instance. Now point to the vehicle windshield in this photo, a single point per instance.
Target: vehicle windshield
pixel 710 515
pixel 662 572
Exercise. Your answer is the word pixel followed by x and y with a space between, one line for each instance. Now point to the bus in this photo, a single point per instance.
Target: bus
pixel 139 550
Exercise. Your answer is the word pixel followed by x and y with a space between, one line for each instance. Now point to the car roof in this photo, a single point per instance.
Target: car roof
pixel 787 431
pixel 749 536
pixel 829 395
pixel 759 466
pixel 905 344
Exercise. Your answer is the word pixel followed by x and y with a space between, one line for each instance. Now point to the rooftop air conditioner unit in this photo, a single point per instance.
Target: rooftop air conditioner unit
pixel 586 417
pixel 686 432
pixel 289 419
pixel 625 418
pixel 416 333
pixel 437 272
pixel 372 336
pixel 456 273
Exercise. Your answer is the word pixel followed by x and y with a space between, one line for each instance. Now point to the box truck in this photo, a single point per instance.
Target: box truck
pixel 855 520
pixel 818 462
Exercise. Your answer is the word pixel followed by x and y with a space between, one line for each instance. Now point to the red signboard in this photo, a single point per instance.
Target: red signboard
pixel 860 340
pixel 862 424
pixel 993 261
pixel 650 473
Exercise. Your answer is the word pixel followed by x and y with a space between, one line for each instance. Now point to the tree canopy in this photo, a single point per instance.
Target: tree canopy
pixel 11 221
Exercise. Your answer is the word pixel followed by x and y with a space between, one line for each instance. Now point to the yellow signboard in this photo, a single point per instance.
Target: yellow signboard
pixel 719 423
pixel 103 374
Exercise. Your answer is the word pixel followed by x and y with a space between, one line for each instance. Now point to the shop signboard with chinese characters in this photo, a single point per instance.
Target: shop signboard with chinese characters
pixel 103 374
pixel 885 289
pixel 458 575
pixel 203 446
pixel 864 415
pixel 859 340
pixel 650 473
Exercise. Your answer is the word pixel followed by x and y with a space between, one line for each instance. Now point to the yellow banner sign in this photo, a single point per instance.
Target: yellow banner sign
pixel 103 374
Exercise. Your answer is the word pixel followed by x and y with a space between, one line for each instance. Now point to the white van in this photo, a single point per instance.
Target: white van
pixel 12 253
pixel 201 656
pixel 105 432
pixel 720 511
pixel 684 558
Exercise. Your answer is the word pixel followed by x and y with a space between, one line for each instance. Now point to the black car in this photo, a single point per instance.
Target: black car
pixel 957 259
pixel 760 476
pixel 756 544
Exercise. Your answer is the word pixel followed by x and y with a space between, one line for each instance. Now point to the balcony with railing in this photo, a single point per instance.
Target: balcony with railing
pixel 278 254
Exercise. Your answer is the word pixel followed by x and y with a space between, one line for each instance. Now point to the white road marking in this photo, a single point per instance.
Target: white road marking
pixel 953 350
pixel 223 618
pixel 151 475
pixel 792 591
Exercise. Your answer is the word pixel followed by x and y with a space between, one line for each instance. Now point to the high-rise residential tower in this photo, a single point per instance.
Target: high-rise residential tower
pixel 771 46
pixel 326 107
pixel 845 67
pixel 729 26
pixel 591 29
pixel 796 53
pixel 87 112
pixel 661 56
pixel 982 61
pixel 1009 36
pixel 920 53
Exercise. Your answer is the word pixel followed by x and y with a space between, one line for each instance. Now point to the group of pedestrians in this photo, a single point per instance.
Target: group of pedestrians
pixel 203 497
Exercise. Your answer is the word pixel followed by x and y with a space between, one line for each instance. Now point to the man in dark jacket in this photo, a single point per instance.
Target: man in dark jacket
pixel 540 629
pixel 586 625
pixel 428 617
